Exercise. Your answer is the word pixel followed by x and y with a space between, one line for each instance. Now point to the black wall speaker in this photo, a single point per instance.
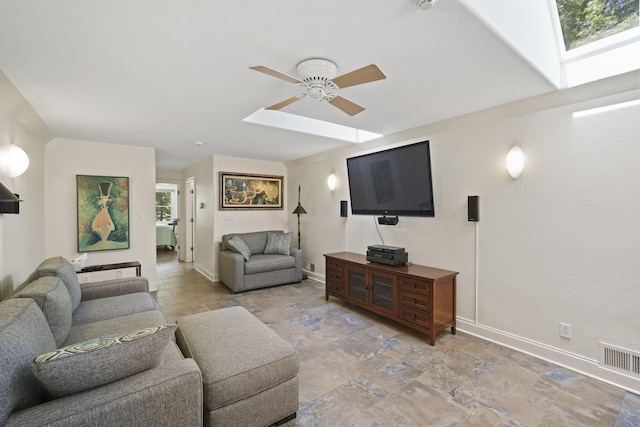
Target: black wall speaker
pixel 344 208
pixel 473 213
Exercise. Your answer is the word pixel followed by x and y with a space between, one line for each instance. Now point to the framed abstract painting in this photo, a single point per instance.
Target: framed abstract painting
pixel 103 212
pixel 247 191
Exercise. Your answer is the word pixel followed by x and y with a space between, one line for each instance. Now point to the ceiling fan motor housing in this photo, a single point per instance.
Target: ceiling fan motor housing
pixel 316 75
pixel 425 4
pixel 317 68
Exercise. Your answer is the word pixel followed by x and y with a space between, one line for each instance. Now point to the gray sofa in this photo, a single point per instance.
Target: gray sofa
pixel 51 310
pixel 101 354
pixel 261 269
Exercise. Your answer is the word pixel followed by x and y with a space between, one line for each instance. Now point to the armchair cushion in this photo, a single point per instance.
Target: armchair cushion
pixel 102 360
pixel 278 243
pixel 238 245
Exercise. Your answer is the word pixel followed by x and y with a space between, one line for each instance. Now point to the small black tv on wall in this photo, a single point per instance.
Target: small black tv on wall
pixel 394 182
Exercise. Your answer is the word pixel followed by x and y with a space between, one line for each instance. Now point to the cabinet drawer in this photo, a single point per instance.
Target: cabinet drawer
pixel 419 317
pixel 415 300
pixel 335 288
pixel 335 276
pixel 411 285
pixel 334 265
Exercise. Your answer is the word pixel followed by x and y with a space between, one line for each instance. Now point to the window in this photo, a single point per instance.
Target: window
pixel 587 21
pixel 163 206
pixel 166 202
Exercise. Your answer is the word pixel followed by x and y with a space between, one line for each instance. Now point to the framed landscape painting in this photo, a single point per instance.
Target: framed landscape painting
pixel 103 212
pixel 246 191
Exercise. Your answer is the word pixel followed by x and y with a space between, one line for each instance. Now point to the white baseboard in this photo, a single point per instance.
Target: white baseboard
pixel 557 356
pixel 200 269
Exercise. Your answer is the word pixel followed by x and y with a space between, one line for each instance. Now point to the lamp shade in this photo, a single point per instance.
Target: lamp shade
pixel 299 210
pixel 18 161
pixel 331 182
pixel 515 161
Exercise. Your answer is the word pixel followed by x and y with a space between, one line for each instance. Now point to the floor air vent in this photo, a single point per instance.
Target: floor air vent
pixel 620 359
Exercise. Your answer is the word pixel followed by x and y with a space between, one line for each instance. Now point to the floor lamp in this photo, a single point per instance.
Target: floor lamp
pixel 299 211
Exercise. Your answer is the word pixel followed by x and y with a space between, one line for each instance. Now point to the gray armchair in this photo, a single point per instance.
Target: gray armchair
pixel 261 269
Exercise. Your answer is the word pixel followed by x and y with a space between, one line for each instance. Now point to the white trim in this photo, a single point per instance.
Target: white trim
pixel 575 362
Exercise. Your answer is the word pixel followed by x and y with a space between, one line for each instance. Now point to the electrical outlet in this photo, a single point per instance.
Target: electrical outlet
pixel 565 330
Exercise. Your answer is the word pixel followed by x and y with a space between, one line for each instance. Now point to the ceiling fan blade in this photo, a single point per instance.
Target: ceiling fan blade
pixel 283 104
pixel 347 106
pixel 367 74
pixel 275 73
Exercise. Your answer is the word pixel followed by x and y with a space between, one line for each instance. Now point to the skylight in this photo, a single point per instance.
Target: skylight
pixel 597 38
pixel 282 120
pixel 586 21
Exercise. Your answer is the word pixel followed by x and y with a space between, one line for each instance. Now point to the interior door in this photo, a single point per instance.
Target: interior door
pixel 189 217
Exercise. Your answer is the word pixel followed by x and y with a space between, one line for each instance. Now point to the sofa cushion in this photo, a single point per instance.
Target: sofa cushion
pixel 52 297
pixel 119 325
pixel 24 334
pixel 262 263
pixel 96 310
pixel 237 245
pixel 278 243
pixel 101 360
pixel 64 270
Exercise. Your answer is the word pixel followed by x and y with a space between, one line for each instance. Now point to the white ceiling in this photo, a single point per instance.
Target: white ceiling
pixel 165 73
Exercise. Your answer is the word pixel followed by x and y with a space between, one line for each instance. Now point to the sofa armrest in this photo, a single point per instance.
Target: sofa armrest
pixel 113 287
pixel 231 270
pixel 297 254
pixel 170 394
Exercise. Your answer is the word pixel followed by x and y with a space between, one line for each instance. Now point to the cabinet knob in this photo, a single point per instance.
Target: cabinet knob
pixel 413 300
pixel 413 316
pixel 413 285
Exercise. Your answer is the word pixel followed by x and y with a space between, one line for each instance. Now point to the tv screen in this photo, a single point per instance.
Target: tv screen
pixel 392 182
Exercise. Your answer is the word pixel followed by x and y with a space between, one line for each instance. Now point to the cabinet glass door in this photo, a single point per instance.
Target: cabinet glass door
pixel 357 283
pixel 382 291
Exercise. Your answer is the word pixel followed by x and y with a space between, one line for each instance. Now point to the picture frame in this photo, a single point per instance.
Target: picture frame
pixel 103 213
pixel 245 191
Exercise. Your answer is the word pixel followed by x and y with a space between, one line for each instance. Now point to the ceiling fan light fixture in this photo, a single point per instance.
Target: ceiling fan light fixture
pixel 425 4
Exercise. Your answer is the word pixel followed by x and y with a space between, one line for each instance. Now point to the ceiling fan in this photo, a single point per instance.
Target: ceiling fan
pixel 318 78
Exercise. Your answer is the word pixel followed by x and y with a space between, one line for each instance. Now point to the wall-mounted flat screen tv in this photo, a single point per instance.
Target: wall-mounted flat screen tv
pixel 392 182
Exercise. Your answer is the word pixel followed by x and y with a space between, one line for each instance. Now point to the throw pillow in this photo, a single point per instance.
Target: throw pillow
pixel 278 243
pixel 238 245
pixel 102 360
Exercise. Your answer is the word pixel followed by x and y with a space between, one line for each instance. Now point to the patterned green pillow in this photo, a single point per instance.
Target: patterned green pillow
pixel 278 243
pixel 238 245
pixel 102 360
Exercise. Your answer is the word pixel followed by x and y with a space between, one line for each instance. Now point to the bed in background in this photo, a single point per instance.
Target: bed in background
pixel 165 236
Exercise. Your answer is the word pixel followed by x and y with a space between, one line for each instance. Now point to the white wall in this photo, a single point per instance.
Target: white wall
pixel 21 235
pixel 560 244
pixel 67 158
pixel 211 223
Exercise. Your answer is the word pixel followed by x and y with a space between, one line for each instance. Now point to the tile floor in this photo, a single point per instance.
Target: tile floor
pixel 358 369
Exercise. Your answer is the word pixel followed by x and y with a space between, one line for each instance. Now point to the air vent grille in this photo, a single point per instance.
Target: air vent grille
pixel 620 359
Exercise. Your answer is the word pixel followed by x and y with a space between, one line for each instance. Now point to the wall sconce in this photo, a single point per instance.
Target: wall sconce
pixel 16 162
pixel 331 182
pixel 9 202
pixel 515 161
